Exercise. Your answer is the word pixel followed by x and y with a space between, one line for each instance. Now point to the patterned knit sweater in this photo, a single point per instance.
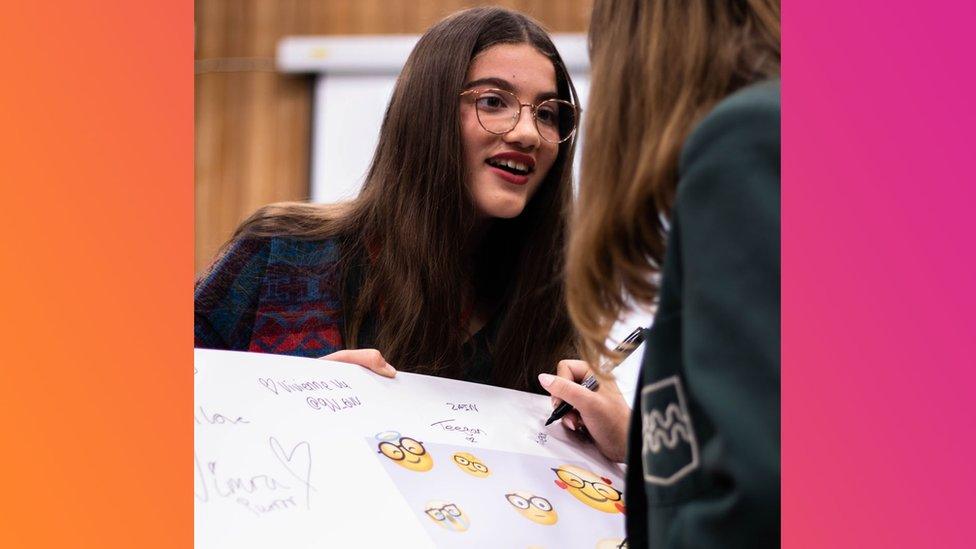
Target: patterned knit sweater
pixel 274 295
pixel 283 295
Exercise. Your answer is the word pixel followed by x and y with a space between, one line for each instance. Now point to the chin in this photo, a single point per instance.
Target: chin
pixel 501 203
pixel 502 211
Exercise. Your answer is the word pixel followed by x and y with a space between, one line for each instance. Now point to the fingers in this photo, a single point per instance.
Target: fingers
pixel 573 370
pixel 572 420
pixel 575 394
pixel 371 359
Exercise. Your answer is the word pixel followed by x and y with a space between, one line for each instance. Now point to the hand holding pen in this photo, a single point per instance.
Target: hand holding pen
pixel 604 414
pixel 626 347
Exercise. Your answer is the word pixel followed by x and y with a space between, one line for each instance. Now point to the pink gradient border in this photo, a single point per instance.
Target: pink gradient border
pixel 879 274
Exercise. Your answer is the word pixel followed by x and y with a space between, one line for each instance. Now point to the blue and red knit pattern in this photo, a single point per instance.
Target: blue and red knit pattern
pixel 275 295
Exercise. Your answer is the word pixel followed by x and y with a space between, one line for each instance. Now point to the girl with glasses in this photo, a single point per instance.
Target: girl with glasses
pixel 679 206
pixel 449 262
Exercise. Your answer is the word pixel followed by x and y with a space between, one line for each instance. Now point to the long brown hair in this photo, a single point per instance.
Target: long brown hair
pixel 658 66
pixel 410 225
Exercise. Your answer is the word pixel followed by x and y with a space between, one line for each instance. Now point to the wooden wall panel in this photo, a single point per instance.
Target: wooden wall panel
pixel 252 141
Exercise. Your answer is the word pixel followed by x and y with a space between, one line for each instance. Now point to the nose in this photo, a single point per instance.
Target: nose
pixel 524 134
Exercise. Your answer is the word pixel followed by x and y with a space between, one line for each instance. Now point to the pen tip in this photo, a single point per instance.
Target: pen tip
pixel 550 421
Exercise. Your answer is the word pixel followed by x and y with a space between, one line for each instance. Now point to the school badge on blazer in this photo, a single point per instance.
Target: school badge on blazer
pixel 670 450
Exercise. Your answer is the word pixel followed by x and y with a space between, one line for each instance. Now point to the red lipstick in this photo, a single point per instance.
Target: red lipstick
pixel 512 167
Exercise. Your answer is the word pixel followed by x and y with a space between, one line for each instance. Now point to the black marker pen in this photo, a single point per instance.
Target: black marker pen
pixel 627 346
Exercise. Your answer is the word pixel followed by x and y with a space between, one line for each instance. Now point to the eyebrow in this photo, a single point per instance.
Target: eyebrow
pixel 507 86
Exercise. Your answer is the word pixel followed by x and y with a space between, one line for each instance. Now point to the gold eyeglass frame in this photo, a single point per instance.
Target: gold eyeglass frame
pixel 518 113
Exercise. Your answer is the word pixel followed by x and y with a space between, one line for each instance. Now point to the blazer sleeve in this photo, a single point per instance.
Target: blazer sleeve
pixel 728 213
pixel 225 298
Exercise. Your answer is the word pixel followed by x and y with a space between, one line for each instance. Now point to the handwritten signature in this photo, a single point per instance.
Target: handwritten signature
pixel 274 505
pixel 215 418
pixel 302 386
pixel 332 404
pixel 470 433
pixel 462 407
pixel 246 489
pixel 229 486
pixel 298 463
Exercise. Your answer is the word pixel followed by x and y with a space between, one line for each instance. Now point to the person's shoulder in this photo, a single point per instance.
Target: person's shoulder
pixel 760 100
pixel 748 117
pixel 759 97
pixel 253 255
pixel 303 251
pixel 300 233
pixel 730 164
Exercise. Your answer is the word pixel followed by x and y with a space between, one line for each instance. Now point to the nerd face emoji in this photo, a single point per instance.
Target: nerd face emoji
pixel 535 508
pixel 471 465
pixel 590 489
pixel 447 515
pixel 405 452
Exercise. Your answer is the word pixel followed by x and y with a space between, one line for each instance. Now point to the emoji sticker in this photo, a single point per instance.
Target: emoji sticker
pixel 447 515
pixel 589 488
pixel 471 465
pixel 405 451
pixel 535 508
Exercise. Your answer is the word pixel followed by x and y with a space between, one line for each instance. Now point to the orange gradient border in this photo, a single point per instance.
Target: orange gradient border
pixel 96 269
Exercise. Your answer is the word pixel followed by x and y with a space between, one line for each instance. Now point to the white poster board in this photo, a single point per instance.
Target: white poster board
pixel 295 452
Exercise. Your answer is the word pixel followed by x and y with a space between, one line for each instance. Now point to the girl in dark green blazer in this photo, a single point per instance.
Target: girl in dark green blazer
pixel 679 206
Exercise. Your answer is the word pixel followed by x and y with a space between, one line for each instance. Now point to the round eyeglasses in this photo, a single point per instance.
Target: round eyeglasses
pixel 499 111
pixel 600 488
pixel 538 502
pixel 442 513
pixel 395 451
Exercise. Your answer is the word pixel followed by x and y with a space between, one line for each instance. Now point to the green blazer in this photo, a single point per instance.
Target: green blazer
pixel 704 443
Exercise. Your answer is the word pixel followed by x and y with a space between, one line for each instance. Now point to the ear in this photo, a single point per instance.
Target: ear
pixel 561 484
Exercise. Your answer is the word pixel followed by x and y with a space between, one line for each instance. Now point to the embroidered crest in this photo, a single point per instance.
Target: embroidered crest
pixel 670 450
